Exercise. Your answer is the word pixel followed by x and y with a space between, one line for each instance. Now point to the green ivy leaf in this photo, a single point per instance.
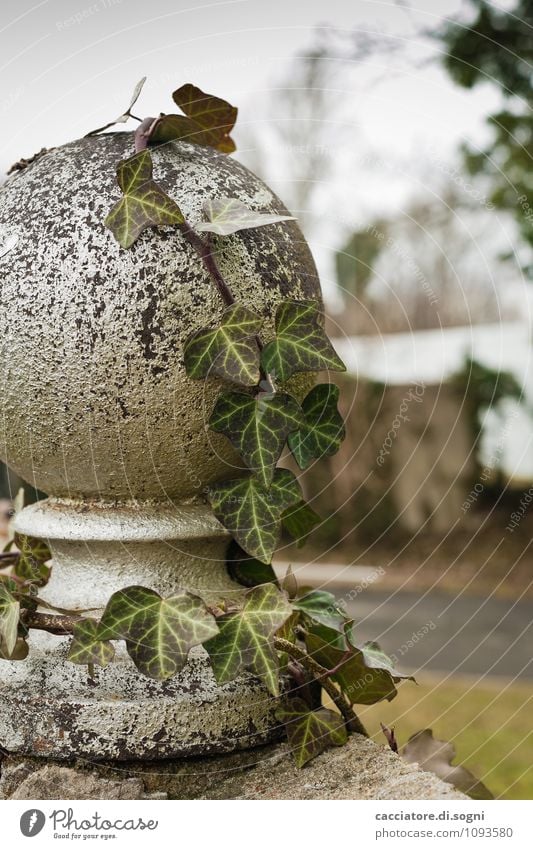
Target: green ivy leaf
pixel 321 606
pixel 33 556
pixel 323 430
pixel 301 344
pixel 247 570
pixel 245 638
pixel 227 215
pixel 87 647
pixel 257 427
pixel 311 732
pixel 159 632
pixel 144 204
pixel 230 351
pixel 9 620
pixel 251 513
pixel 366 674
pixel 300 521
pixel 208 120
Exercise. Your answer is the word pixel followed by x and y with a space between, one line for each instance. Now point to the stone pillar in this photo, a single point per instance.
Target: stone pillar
pixel 99 413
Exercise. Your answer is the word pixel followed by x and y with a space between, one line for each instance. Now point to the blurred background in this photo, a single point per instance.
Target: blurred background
pixel 401 136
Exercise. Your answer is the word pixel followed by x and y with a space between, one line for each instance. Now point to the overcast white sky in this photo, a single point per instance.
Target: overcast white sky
pixel 70 65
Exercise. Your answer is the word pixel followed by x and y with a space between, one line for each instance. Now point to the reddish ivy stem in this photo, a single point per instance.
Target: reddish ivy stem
pixel 352 721
pixel 204 251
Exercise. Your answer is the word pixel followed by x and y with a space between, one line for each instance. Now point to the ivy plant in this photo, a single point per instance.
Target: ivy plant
pixel 298 642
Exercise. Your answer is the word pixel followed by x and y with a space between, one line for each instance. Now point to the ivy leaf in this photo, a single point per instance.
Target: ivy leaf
pixel 245 638
pixel 9 620
pixel 300 521
pixel 436 756
pixel 321 606
pixel 251 513
pixel 144 204
pixel 125 115
pixel 311 732
pixel 323 430
pixel 230 351
pixel 227 215
pixel 87 647
pixel 301 344
pixel 365 675
pixel 31 562
pixel 208 120
pixel 257 427
pixel 20 651
pixel 159 632
pixel 247 570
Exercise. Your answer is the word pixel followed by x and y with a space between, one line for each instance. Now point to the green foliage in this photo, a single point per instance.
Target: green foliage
pixel 245 637
pixel 227 215
pixel 87 647
pixel 323 429
pixel 31 562
pixel 247 570
pixel 207 120
pixel 497 47
pixel 159 633
pixel 365 675
pixel 300 521
pixel 253 513
pixel 301 344
pixel 319 606
pixel 311 732
pixel 229 351
pixel 144 204
pixel 257 427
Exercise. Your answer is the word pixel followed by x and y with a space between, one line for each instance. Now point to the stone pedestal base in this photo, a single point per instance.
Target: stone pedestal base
pixel 50 707
pixel 359 770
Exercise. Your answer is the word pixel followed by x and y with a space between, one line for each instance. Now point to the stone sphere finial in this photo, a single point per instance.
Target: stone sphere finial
pixel 96 402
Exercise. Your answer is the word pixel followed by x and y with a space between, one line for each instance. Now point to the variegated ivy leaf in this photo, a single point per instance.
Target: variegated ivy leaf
pixel 257 427
pixel 227 215
pixel 87 647
pixel 229 351
pixel 251 513
pixel 300 521
pixel 311 732
pixel 9 619
pixel 301 344
pixel 365 675
pixel 144 204
pixel 31 562
pixel 245 638
pixel 126 115
pixel 247 570
pixel 208 120
pixel 159 632
pixel 323 430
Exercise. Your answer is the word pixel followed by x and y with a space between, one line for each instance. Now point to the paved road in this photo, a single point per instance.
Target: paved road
pixel 466 635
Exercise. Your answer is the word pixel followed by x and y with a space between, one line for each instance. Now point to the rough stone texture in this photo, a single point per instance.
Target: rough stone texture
pixel 359 770
pixel 95 399
pixel 97 411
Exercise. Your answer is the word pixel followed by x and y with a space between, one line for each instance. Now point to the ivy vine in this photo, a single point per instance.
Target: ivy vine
pixel 297 642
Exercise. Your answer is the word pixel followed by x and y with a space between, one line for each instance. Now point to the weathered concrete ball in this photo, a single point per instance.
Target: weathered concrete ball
pixel 95 399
